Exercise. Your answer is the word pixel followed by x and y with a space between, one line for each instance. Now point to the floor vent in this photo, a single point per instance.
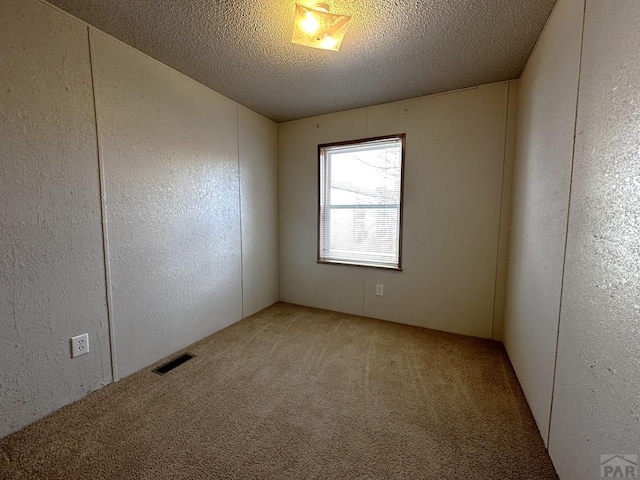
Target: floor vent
pixel 176 362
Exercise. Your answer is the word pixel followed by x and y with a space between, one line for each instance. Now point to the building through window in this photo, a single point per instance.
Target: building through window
pixel 360 202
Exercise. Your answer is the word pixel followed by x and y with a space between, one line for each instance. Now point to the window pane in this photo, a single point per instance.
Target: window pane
pixel 360 202
pixel 369 235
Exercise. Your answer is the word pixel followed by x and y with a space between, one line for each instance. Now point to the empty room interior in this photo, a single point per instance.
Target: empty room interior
pixel 362 239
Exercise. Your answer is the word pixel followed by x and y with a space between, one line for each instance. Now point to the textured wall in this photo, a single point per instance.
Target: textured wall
pixel 52 283
pixel 450 237
pixel 505 213
pixel 542 169
pixel 596 407
pixel 170 153
pixel 177 160
pixel 258 153
pixel 302 280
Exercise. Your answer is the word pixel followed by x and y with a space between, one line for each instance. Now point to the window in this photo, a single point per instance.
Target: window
pixel 360 205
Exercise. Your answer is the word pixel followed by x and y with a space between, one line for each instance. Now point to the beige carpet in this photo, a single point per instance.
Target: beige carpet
pixel 299 393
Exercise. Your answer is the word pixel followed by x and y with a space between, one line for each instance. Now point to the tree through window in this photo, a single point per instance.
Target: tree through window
pixel 360 204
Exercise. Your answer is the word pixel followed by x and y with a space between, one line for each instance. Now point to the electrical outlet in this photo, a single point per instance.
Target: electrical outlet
pixel 79 345
pixel 379 290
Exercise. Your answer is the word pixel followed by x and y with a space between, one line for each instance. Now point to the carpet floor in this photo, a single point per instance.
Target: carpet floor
pixel 299 393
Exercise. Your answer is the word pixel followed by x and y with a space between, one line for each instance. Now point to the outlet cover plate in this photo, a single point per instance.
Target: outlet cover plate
pixel 379 290
pixel 79 345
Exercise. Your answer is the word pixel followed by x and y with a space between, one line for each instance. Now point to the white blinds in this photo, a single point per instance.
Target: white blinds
pixel 360 202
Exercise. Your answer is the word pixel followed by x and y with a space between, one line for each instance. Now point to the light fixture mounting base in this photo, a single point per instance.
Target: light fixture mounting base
pixel 323 7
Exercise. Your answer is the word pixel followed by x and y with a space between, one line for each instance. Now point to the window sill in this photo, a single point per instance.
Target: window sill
pixel 362 265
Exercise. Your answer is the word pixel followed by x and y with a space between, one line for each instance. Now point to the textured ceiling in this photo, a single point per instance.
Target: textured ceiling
pixel 393 49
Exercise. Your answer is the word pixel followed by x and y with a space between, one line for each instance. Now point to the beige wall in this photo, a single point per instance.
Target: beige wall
pixel 596 405
pixel 258 144
pixel 190 192
pixel 452 211
pixel 190 210
pixel 576 311
pixel 52 282
pixel 546 119
pixel 169 147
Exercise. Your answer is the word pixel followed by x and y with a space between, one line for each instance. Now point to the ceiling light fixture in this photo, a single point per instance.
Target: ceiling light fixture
pixel 315 27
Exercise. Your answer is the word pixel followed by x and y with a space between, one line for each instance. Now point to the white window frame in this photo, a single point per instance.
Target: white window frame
pixel 324 208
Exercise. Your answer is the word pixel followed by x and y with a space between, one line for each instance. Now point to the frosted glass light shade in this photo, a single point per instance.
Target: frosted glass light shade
pixel 316 27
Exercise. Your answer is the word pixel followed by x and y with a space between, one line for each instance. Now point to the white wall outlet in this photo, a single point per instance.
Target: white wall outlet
pixel 379 290
pixel 79 345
